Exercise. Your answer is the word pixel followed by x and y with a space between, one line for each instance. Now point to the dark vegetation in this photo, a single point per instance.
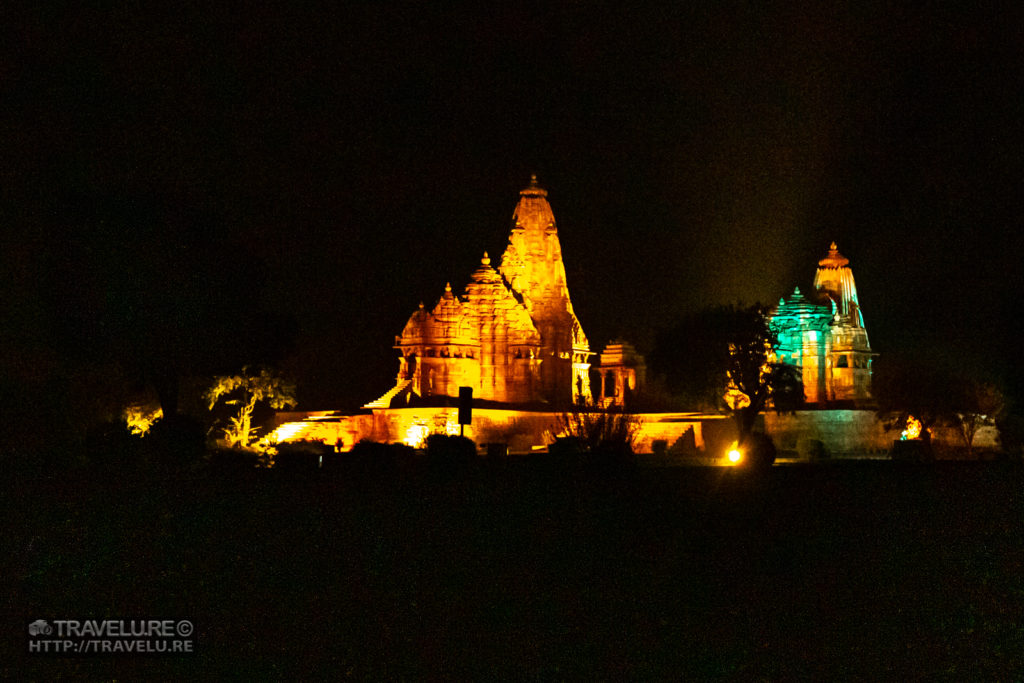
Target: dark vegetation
pixel 720 348
pixel 941 396
pixel 866 570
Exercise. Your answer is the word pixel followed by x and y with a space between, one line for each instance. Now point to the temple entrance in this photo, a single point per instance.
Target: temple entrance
pixel 410 367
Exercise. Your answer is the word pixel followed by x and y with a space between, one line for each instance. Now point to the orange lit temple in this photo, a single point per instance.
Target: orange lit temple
pixel 511 335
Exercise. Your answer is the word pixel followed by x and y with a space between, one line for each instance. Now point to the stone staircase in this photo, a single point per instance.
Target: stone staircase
pixel 385 400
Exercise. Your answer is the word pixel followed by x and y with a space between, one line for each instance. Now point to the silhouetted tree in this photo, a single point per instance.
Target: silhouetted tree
pixel 922 388
pixel 978 403
pixel 787 387
pixel 719 358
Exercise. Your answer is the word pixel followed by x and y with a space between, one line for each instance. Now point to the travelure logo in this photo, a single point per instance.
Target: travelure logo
pixel 39 627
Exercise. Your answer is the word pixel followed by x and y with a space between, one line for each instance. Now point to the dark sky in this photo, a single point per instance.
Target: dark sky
pixel 365 156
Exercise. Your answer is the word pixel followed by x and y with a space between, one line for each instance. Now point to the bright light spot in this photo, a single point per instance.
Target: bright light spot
pixel 286 432
pixel 913 430
pixel 735 456
pixel 416 435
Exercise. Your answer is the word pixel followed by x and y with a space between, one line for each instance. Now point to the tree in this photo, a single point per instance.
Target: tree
pixel 609 430
pixel 935 393
pixel 245 390
pixel 719 357
pixel 979 403
pixel 913 387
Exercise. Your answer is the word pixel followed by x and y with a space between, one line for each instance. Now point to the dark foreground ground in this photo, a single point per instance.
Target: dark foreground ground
pixel 845 570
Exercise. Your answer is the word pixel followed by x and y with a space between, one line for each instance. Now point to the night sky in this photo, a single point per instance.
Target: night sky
pixel 354 159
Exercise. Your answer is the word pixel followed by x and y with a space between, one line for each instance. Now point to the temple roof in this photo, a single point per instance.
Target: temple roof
pixel 533 212
pixel 799 306
pixel 534 190
pixel 834 278
pixel 485 273
pixel 449 309
pixel 834 258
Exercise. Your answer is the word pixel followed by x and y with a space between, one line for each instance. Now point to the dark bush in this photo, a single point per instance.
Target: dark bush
pixel 177 442
pixel 610 455
pixel 232 461
pixel 759 451
pixel 567 446
pixel 812 449
pixel 1011 436
pixel 301 456
pixel 372 459
pixel 446 452
pixel 496 450
pixel 111 447
pixel 912 450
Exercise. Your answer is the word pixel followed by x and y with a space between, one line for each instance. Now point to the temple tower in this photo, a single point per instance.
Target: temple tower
pixel 849 360
pixel 826 337
pixel 533 268
pixel 512 335
pixel 804 339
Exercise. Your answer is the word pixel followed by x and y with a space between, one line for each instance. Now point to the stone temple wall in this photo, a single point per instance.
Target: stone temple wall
pixel 844 433
pixel 522 431
pixel 856 432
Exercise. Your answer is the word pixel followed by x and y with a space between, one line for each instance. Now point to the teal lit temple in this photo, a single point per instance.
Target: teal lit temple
pixel 825 337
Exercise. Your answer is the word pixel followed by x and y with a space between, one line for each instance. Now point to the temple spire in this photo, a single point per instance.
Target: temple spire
pixel 834 258
pixel 533 189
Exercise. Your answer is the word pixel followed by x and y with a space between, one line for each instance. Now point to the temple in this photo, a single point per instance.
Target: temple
pixel 511 335
pixel 825 336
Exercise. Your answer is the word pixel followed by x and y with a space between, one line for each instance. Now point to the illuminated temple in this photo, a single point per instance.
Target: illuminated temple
pixel 825 335
pixel 511 336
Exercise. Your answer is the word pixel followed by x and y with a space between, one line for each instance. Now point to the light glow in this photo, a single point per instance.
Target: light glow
pixel 286 432
pixel 416 435
pixel 735 456
pixel 913 430
pixel 140 418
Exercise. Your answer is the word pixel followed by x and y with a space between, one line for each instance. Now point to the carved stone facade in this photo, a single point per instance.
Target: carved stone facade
pixel 511 335
pixel 825 337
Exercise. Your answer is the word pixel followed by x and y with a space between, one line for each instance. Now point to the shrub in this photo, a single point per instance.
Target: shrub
pixel 372 459
pixel 232 461
pixel 450 452
pixel 759 451
pixel 111 447
pixel 912 450
pixel 812 449
pixel 301 456
pixel 176 442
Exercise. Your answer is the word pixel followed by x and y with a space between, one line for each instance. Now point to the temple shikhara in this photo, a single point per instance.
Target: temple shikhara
pixel 511 335
pixel 825 335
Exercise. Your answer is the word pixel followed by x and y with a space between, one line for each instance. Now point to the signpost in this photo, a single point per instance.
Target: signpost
pixel 465 408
